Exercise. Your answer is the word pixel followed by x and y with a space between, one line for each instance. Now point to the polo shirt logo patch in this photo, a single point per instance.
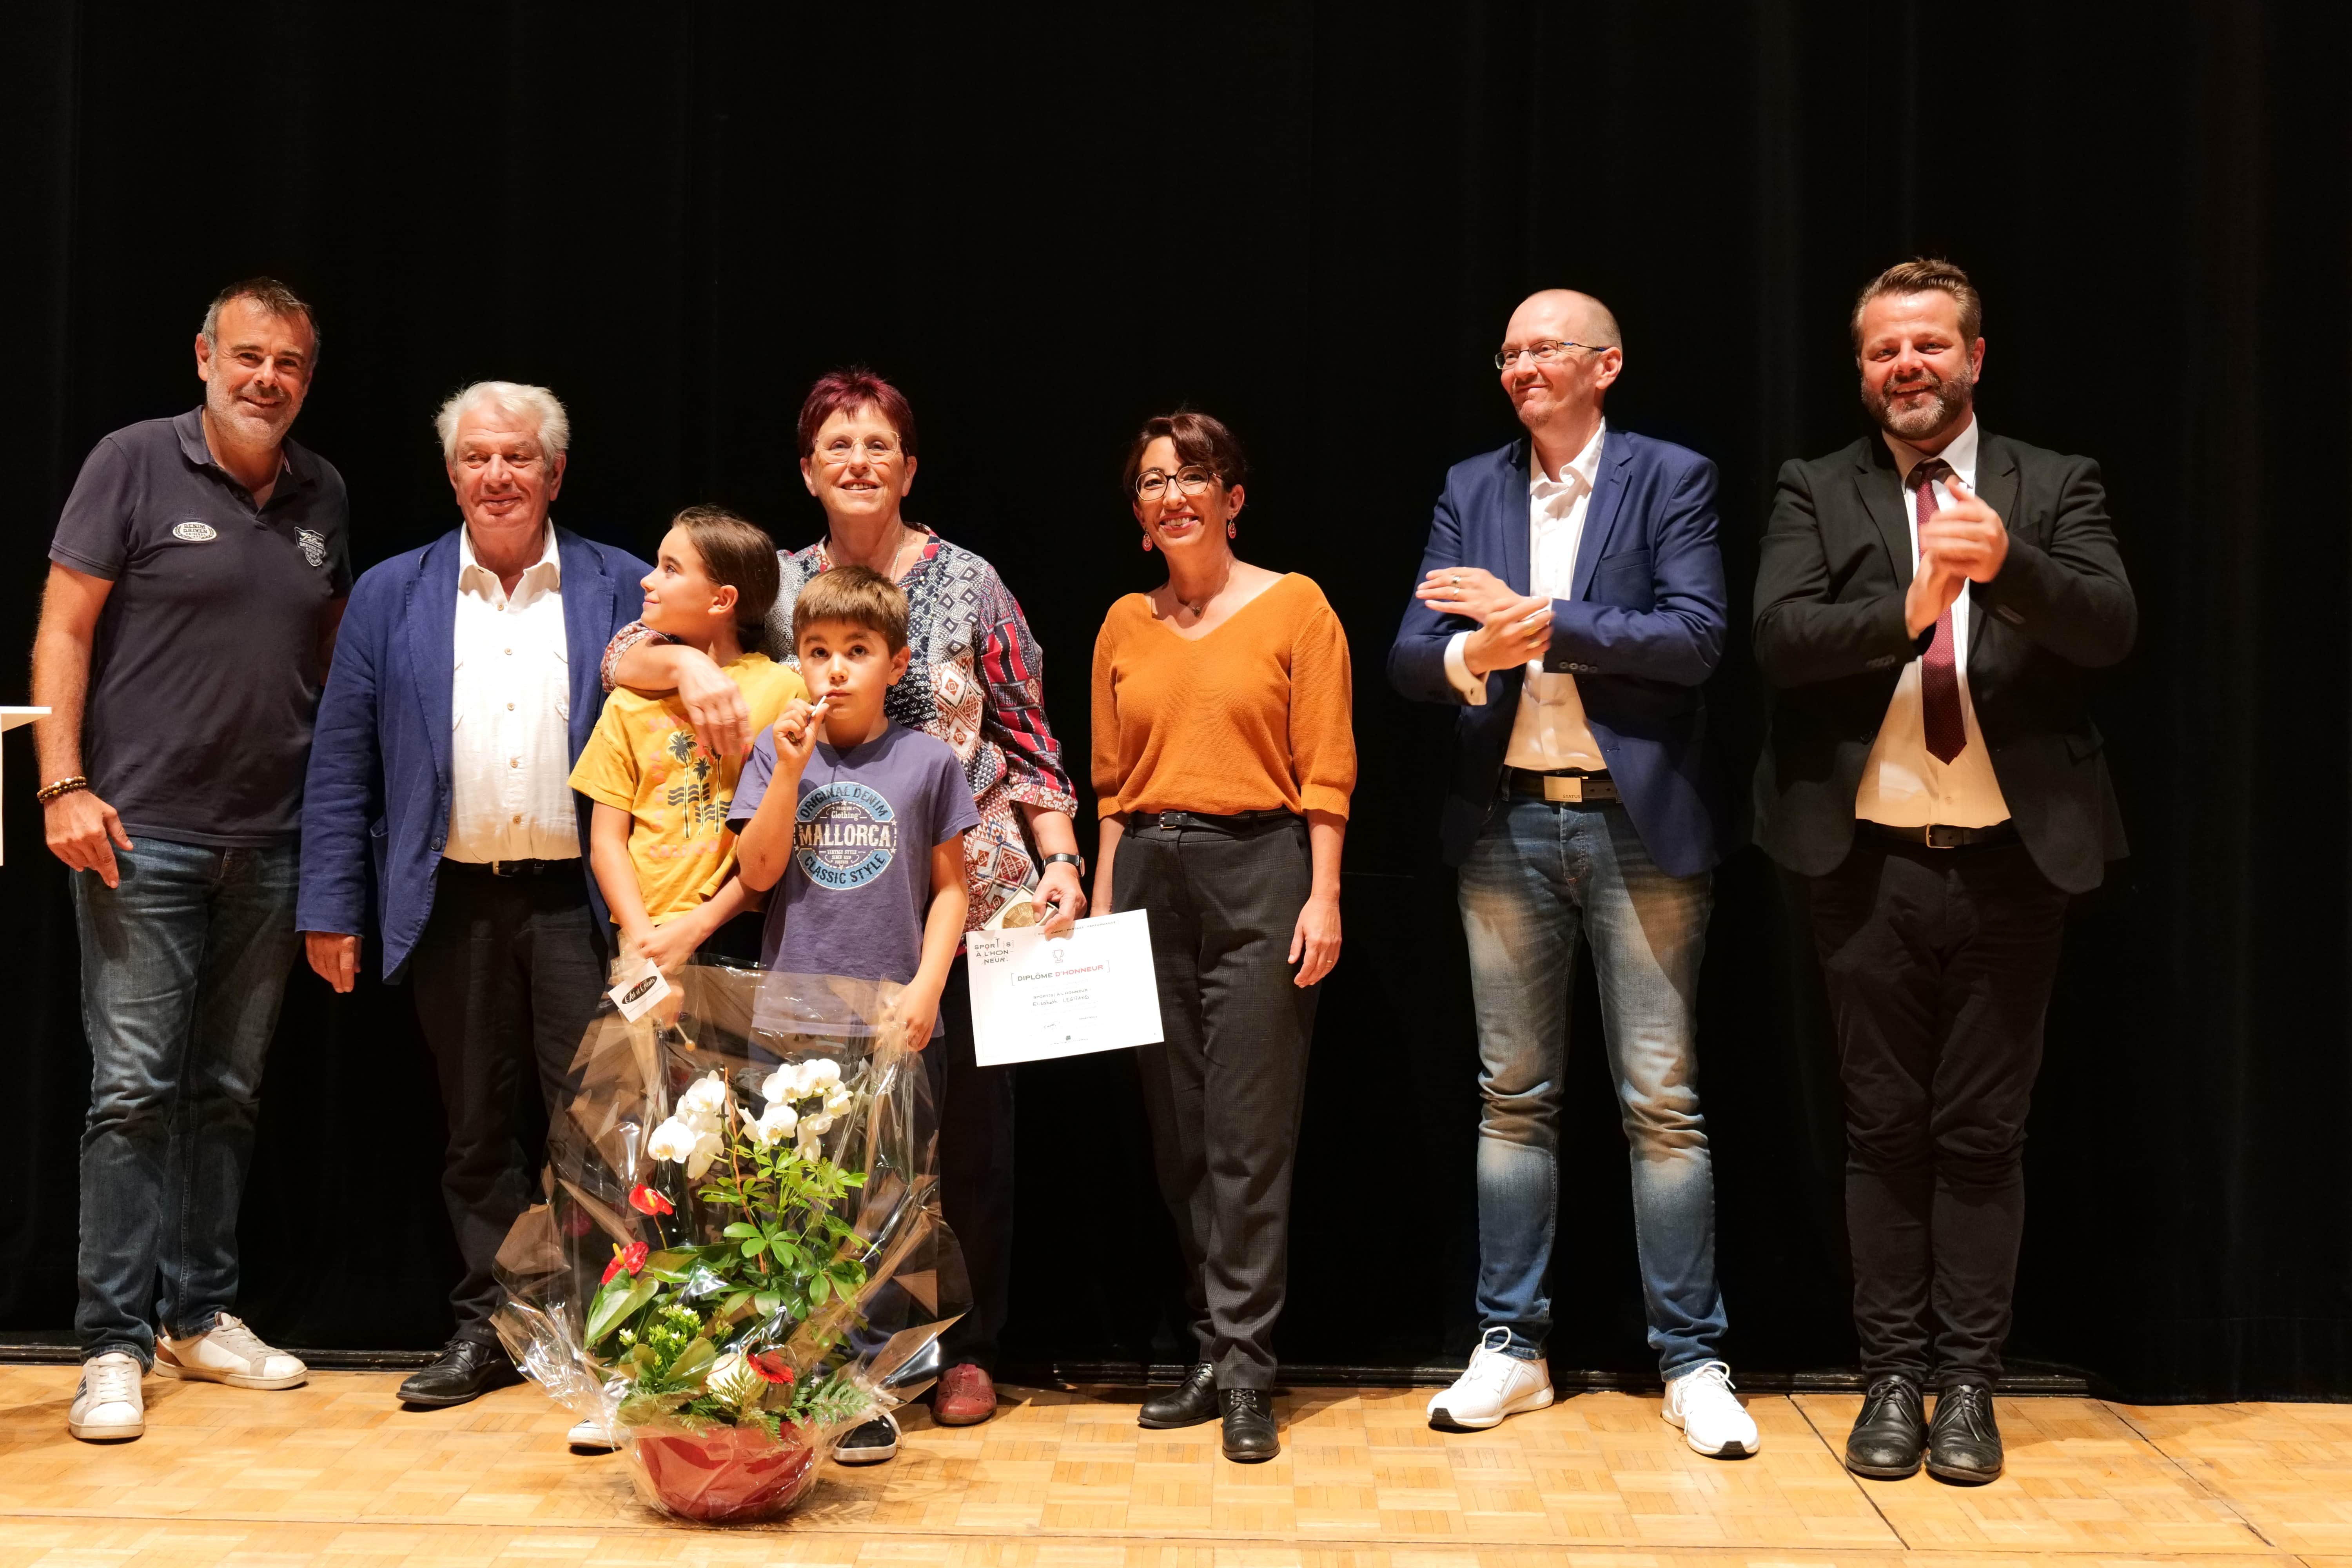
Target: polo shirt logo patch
pixel 314 546
pixel 196 532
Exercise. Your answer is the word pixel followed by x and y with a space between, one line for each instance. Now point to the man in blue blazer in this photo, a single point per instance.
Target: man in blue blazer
pixel 1571 603
pixel 465 685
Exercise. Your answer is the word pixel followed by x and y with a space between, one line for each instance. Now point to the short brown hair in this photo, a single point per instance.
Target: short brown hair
pixel 1199 439
pixel 736 553
pixel 857 595
pixel 272 297
pixel 847 391
pixel 1922 275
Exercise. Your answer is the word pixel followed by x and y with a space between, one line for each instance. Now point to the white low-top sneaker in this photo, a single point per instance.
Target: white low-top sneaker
pixel 595 1435
pixel 1495 1385
pixel 229 1352
pixel 1713 1420
pixel 107 1407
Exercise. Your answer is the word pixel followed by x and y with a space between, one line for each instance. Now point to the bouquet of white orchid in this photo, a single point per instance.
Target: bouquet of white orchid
pixel 775 1256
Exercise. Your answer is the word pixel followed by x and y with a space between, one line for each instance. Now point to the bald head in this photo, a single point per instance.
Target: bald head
pixel 1559 356
pixel 1565 313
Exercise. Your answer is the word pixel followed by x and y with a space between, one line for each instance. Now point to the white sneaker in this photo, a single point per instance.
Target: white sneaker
pixel 594 1435
pixel 107 1405
pixel 1713 1420
pixel 231 1354
pixel 1495 1385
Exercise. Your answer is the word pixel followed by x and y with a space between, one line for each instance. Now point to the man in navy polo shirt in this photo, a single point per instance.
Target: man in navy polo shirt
pixel 196 578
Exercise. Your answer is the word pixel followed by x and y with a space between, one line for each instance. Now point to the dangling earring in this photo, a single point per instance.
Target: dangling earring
pixel 1232 533
pixel 1147 544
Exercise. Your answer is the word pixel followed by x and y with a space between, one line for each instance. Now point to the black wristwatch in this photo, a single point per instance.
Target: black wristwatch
pixel 1077 861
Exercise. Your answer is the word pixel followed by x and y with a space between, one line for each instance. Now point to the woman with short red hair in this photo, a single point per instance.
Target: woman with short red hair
pixel 974 678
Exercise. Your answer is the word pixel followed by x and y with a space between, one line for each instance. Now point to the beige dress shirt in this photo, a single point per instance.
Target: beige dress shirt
pixel 1902 785
pixel 511 715
pixel 1550 731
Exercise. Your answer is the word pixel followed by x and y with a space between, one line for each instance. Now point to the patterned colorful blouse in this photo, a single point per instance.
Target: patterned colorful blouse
pixel 974 678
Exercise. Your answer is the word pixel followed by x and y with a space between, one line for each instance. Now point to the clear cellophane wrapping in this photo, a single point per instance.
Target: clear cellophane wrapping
pixel 869 1348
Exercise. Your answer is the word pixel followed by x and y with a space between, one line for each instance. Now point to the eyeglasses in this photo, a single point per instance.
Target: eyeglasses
pixel 1192 478
pixel 840 452
pixel 1545 352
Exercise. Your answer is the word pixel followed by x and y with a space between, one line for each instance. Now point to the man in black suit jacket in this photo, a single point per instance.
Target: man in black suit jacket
pixel 1927 605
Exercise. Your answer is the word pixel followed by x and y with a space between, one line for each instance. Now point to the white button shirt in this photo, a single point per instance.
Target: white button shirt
pixel 1550 731
pixel 511 715
pixel 1902 785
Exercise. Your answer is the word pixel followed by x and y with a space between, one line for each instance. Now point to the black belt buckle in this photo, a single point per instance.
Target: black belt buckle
pixel 1170 821
pixel 1939 836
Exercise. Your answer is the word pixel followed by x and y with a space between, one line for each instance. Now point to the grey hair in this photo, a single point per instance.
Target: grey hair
pixel 508 398
pixel 272 297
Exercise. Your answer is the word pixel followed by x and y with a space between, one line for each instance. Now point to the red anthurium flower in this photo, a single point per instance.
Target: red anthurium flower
pixel 613 1268
pixel 629 1260
pixel 645 1200
pixel 772 1365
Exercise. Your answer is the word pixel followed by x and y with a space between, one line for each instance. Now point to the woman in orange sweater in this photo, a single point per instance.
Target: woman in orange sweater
pixel 1224 757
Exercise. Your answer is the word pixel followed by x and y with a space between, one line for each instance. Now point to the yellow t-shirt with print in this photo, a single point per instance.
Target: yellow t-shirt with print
pixel 643 760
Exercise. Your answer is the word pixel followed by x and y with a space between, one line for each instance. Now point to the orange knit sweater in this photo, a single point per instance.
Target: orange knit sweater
pixel 1256 715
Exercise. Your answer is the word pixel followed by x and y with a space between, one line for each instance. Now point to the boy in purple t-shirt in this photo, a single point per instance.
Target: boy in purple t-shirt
pixel 863 829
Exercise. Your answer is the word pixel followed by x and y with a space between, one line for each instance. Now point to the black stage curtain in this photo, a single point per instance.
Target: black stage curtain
pixel 1311 219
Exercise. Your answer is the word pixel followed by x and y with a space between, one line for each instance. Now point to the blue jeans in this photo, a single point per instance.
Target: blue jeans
pixel 1539 878
pixel 182 967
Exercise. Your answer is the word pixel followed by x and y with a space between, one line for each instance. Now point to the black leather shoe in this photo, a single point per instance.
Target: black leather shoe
pixel 1249 1426
pixel 1963 1443
pixel 1191 1401
pixel 869 1443
pixel 468 1370
pixel 1891 1431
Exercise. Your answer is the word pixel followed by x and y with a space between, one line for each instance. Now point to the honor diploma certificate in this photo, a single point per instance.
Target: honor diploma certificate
pixel 1036 996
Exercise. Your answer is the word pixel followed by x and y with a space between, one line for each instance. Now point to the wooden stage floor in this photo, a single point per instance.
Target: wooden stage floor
pixel 336 1473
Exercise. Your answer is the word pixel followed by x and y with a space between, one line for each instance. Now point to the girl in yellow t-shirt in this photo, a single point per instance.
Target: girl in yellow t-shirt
pixel 658 842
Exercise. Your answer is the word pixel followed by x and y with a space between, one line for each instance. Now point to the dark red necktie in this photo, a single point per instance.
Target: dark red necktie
pixel 1939 677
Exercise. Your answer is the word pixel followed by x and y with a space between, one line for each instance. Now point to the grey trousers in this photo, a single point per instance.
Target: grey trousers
pixel 1222 1092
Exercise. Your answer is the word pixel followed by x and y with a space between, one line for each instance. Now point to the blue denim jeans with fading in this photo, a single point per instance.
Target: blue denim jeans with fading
pixel 183 968
pixel 1540 879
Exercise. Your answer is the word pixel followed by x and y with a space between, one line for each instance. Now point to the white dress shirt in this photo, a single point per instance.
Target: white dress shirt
pixel 1550 731
pixel 511 715
pixel 1902 785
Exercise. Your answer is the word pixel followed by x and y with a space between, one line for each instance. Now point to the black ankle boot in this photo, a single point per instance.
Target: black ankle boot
pixel 1249 1426
pixel 1189 1404
pixel 1963 1443
pixel 1891 1432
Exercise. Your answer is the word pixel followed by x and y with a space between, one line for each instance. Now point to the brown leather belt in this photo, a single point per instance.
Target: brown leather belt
pixel 1937 836
pixel 1561 788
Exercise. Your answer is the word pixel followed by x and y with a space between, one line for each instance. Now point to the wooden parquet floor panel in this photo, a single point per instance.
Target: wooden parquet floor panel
pixel 2287 1468
pixel 337 1473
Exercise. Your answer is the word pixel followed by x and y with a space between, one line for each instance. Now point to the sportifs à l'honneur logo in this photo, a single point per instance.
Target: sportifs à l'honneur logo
pixel 844 834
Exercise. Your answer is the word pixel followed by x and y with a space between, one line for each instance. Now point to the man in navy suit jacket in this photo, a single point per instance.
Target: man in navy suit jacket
pixel 1571 603
pixel 465 685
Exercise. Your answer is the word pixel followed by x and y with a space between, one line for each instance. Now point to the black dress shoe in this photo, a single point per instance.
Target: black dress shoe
pixel 1891 1431
pixel 467 1369
pixel 869 1442
pixel 1963 1443
pixel 1249 1426
pixel 1191 1401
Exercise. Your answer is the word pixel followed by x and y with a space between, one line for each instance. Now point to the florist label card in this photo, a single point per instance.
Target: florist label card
pixel 1034 997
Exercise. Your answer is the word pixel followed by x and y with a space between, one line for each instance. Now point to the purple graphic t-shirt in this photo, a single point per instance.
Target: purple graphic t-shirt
pixel 852 901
